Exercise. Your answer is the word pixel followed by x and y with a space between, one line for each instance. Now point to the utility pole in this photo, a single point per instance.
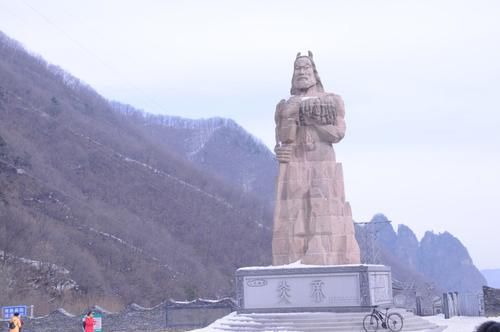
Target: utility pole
pixel 371 230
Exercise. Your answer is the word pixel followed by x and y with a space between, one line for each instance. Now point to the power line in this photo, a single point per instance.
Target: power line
pixel 105 64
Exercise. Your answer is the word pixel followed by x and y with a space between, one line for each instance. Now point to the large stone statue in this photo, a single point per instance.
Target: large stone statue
pixel 312 220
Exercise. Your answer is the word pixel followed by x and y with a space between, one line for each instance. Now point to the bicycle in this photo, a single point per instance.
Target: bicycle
pixel 392 321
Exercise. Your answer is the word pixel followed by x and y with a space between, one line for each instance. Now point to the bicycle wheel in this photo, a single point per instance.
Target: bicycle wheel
pixel 395 322
pixel 370 323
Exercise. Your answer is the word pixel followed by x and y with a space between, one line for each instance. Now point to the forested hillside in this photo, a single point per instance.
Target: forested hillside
pixel 215 145
pixel 110 212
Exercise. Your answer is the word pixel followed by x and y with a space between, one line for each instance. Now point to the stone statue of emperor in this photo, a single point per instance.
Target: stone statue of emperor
pixel 312 221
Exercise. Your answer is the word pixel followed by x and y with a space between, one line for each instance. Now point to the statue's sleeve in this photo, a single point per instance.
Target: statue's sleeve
pixel 285 125
pixel 333 133
pixel 277 122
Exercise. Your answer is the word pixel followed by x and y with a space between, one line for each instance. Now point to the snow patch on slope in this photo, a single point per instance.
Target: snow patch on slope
pixel 34 263
pixel 204 128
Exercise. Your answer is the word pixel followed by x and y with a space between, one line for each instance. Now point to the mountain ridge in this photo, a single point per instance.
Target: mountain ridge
pixel 210 144
pixel 440 258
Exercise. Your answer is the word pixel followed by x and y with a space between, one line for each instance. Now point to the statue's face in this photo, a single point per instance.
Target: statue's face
pixel 303 74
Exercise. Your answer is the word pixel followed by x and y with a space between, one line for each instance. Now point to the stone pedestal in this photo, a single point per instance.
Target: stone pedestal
pixel 304 288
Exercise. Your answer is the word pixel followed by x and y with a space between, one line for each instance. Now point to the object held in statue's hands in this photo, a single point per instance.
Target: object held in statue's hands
pixel 317 111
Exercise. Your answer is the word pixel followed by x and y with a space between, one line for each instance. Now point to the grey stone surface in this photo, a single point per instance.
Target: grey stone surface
pixel 136 318
pixel 491 301
pixel 197 313
pixel 371 292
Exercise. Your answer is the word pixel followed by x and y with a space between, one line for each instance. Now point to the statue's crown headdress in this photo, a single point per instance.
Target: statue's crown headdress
pixel 305 53
pixel 319 85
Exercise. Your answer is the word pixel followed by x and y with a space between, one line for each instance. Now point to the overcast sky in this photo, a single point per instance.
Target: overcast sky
pixel 420 80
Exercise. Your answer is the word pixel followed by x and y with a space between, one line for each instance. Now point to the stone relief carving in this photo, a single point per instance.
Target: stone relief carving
pixel 284 292
pixel 317 291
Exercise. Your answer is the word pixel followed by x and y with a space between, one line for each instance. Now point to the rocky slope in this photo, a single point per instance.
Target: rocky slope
pixel 444 259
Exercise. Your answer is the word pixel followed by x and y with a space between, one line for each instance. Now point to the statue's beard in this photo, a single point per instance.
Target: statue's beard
pixel 304 83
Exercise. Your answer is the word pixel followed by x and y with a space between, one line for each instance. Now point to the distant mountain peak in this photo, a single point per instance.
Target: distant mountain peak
pixel 379 217
pixel 438 257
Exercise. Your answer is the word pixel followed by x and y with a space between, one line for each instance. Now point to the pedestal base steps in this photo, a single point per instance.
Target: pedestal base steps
pixel 300 298
pixel 310 322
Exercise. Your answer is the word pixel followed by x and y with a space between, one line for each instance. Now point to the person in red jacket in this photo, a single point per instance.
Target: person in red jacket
pixel 89 322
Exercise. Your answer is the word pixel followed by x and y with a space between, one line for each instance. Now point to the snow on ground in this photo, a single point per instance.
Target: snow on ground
pixel 454 324
pixel 460 323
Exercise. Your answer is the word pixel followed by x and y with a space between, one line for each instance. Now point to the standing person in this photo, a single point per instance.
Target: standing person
pixel 15 323
pixel 89 322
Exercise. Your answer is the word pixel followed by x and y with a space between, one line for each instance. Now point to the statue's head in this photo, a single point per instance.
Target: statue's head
pixel 305 75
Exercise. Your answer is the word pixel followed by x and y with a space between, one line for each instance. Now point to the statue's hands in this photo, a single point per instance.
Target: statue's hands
pixel 283 153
